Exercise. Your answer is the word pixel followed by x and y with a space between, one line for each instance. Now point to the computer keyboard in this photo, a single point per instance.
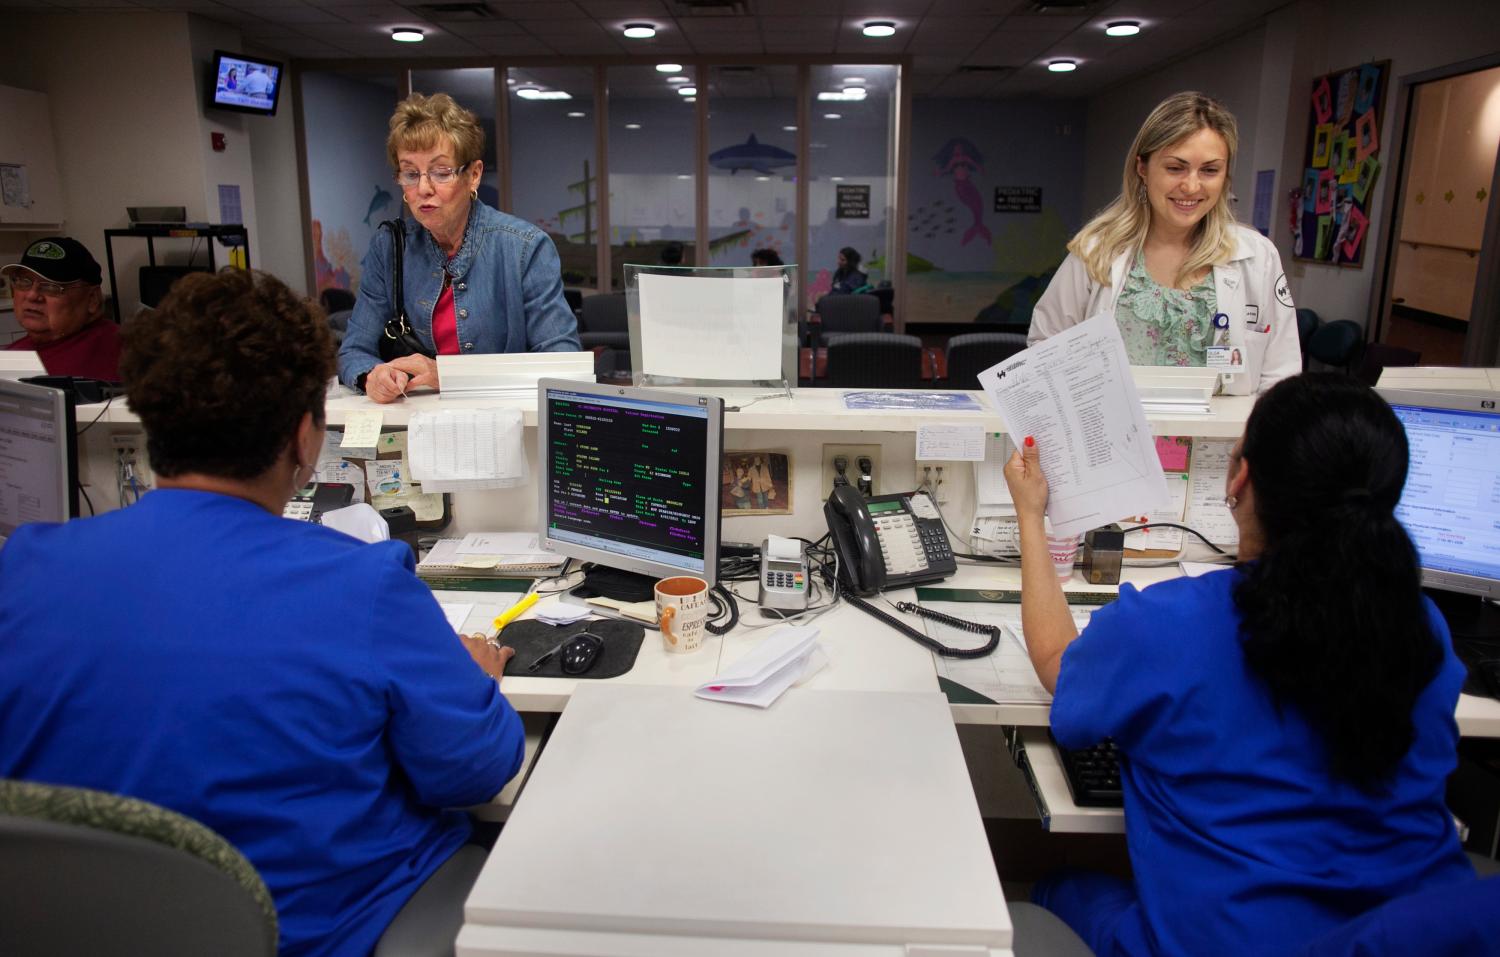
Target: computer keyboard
pixel 1093 774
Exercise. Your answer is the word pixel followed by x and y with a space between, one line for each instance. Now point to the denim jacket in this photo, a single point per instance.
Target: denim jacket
pixel 507 291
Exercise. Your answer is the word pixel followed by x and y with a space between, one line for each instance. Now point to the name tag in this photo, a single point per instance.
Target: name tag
pixel 1226 359
pixel 1252 316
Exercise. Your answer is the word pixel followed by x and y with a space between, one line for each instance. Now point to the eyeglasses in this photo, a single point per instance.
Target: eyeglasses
pixel 438 175
pixel 21 283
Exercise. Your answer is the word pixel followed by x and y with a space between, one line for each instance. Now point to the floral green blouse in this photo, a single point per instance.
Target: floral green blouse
pixel 1163 326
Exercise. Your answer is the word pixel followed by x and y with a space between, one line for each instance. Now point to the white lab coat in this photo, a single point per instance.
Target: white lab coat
pixel 1250 289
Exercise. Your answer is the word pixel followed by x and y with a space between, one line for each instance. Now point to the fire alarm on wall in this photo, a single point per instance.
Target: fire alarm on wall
pixel 217 139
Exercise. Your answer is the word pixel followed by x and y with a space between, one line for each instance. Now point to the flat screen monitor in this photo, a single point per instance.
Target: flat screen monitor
pixel 37 456
pixel 245 84
pixel 1451 503
pixel 630 477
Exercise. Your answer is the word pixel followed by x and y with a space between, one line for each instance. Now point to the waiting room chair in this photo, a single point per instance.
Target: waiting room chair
pixel 972 353
pixel 874 360
pixel 87 872
pixel 605 312
pixel 338 324
pixel 334 299
pixel 1307 324
pixel 611 352
pixel 859 312
pixel 574 299
pixel 1338 344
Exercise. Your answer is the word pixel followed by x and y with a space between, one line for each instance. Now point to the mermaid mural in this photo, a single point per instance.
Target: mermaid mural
pixel 960 157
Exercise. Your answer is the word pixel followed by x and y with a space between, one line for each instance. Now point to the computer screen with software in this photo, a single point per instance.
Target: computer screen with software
pixel 37 456
pixel 1451 503
pixel 630 477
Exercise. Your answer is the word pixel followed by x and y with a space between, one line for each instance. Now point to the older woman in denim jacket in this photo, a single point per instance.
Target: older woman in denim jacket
pixel 475 280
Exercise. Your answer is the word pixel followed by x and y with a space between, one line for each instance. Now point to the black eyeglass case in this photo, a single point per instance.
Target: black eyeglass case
pixel 532 639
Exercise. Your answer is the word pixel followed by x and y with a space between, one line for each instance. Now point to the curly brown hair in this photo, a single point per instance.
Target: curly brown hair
pixel 420 123
pixel 222 372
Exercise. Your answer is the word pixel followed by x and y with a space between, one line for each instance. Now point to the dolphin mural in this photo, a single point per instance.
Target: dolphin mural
pixel 751 155
pixel 380 200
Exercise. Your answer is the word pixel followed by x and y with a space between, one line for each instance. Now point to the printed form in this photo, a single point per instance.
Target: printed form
pixel 1075 395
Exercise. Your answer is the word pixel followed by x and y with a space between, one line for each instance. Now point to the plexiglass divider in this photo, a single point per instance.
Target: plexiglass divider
pixel 713 325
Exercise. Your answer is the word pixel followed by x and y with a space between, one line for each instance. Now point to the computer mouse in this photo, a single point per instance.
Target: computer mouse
pixel 580 653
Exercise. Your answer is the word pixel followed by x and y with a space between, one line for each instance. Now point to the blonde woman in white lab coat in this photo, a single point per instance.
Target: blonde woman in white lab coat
pixel 1187 285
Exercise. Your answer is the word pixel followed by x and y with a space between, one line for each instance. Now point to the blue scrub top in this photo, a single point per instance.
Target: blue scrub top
pixel 297 691
pixel 1241 841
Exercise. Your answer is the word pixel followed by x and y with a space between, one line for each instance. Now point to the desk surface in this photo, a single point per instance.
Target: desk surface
pixel 863 655
pixel 834 817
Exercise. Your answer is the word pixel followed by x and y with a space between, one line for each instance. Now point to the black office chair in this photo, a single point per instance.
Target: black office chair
pixel 847 313
pixel 574 298
pixel 1338 344
pixel 972 353
pixel 87 872
pixel 1307 324
pixel 873 360
pixel 1379 356
pixel 611 353
pixel 334 299
pixel 605 312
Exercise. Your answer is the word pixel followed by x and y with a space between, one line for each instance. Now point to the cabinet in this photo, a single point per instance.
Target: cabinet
pixel 30 187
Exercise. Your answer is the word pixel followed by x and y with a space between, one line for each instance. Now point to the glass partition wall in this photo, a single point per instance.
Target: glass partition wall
pixel 718 159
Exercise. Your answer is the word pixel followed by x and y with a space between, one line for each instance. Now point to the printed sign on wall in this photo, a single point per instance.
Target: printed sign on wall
pixel 853 201
pixel 1018 199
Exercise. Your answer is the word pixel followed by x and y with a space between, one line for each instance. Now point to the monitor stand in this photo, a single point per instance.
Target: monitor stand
pixel 600 581
pixel 1469 617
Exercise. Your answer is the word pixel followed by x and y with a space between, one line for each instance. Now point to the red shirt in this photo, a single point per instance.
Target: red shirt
pixel 445 321
pixel 92 352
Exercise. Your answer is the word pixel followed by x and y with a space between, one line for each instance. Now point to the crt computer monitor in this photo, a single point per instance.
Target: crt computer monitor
pixel 630 477
pixel 37 457
pixel 1451 503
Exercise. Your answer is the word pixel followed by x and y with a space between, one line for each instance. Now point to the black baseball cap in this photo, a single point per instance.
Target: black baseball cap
pixel 59 259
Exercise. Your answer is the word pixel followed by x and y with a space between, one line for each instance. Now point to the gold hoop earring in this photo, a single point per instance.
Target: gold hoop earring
pixel 474 193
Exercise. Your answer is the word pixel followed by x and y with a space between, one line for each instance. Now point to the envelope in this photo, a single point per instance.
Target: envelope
pixel 786 656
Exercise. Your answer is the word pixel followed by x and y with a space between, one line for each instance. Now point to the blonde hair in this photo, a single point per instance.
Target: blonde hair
pixel 420 123
pixel 1122 225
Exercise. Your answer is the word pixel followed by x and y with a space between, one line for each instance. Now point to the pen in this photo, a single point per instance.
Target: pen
pixel 514 611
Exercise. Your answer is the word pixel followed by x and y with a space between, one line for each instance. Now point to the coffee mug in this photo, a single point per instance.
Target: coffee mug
pixel 682 612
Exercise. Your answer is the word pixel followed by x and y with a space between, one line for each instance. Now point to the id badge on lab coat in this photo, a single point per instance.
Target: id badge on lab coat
pixel 1222 356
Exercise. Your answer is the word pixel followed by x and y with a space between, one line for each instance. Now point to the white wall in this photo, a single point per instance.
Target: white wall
pixel 280 248
pixel 232 166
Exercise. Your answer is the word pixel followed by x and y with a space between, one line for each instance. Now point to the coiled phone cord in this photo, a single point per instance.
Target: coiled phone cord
pixel 913 608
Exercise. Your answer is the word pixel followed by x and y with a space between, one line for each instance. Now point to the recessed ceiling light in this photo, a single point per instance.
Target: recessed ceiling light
pixel 853 80
pixel 632 126
pixel 880 28
pixel 833 116
pixel 837 179
pixel 684 176
pixel 1062 66
pixel 678 79
pixel 575 114
pixel 690 99
pixel 669 68
pixel 640 31
pixel 511 80
pixel 790 129
pixel 762 179
pixel 532 93
pixel 407 35
pixel 1123 28
pixel 687 91
pixel 854 92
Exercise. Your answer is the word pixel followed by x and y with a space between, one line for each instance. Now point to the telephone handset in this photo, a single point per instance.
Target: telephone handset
pixel 310 503
pixel 887 541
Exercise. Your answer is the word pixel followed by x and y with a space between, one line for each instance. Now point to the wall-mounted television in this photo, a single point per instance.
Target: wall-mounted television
pixel 244 83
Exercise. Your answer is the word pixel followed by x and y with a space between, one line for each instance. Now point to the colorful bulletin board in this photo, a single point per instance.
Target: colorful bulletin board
pixel 1329 212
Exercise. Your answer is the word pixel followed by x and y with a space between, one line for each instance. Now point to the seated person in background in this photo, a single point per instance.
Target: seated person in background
pixel 1185 282
pixel 60 304
pixel 765 257
pixel 296 690
pixel 671 254
pixel 475 280
pixel 847 278
pixel 1285 726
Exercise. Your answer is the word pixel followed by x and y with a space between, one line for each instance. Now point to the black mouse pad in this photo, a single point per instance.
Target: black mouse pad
pixel 532 639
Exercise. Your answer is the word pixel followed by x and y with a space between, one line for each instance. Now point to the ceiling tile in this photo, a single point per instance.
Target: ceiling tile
pixel 728 43
pixel 957 26
pixel 486 28
pixel 301 15
pixel 531 10
pixel 799 43
pixel 512 45
pixel 943 45
pixel 563 28
pixel 877 9
pixel 701 26
pixel 955 8
pixel 624 9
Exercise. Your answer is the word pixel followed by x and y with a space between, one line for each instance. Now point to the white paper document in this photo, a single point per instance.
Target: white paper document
pixel 701 327
pixel 1206 510
pixel 1006 674
pixel 942 442
pixel 558 613
pixel 464 449
pixel 783 658
pixel 362 429
pixel 1075 395
pixel 457 612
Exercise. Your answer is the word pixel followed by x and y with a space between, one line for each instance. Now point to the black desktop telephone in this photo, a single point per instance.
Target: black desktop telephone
pixel 887 541
pixel 309 504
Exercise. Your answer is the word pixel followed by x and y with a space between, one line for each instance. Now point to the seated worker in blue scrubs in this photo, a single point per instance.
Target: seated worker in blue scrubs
pixel 296 690
pixel 1286 725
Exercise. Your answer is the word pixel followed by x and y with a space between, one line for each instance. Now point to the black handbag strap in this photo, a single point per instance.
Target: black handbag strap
pixel 397 227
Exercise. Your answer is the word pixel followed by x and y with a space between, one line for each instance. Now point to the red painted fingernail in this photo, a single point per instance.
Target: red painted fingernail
pixel 1030 441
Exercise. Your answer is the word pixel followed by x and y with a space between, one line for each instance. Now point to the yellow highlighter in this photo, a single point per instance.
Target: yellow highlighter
pixel 514 611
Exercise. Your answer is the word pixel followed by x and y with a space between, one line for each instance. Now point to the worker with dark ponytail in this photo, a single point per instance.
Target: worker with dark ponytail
pixel 1286 726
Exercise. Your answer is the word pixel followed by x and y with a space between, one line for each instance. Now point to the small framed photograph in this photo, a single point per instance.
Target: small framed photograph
pixel 756 482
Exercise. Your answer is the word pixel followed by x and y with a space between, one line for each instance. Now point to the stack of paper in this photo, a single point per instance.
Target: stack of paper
pixel 787 656
pixel 509 375
pixel 466 449
pixel 994 530
pixel 488 555
pixel 1171 390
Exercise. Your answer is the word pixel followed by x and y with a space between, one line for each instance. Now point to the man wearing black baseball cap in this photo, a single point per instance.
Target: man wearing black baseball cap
pixel 60 304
